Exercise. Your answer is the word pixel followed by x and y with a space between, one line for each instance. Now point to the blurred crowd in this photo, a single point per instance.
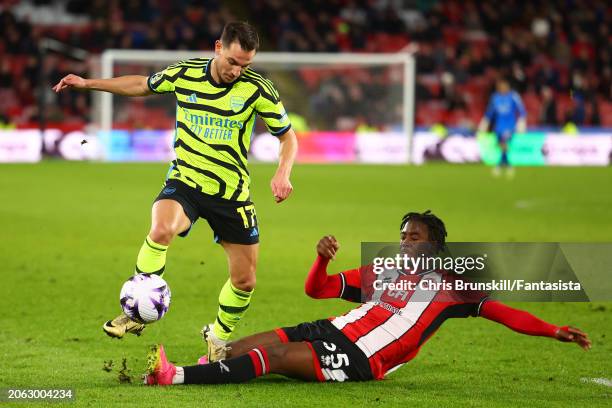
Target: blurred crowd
pixel 92 26
pixel 557 54
pixel 355 98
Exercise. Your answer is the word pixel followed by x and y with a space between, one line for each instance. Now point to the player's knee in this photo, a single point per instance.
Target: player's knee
pixel 277 354
pixel 246 283
pixel 162 233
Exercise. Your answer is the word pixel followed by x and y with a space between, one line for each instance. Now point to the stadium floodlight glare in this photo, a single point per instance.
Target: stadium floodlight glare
pixel 397 95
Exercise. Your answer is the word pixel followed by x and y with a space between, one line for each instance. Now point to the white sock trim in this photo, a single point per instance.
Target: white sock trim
pixel 179 377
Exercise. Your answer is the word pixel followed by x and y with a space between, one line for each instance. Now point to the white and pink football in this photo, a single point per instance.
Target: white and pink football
pixel 145 298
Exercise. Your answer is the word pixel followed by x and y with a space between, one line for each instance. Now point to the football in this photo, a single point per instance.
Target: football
pixel 145 298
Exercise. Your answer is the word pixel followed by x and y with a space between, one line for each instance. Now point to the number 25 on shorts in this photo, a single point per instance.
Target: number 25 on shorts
pixel 248 215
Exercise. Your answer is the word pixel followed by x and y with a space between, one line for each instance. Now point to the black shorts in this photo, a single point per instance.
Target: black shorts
pixel 336 357
pixel 231 221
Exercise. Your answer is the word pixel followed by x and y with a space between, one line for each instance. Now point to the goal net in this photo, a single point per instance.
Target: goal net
pixel 344 107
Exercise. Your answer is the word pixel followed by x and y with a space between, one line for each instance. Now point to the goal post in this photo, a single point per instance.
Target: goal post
pixel 332 91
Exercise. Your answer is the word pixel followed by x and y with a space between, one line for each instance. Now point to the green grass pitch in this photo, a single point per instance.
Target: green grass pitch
pixel 70 232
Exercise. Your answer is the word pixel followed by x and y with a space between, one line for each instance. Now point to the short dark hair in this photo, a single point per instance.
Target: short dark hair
pixel 242 32
pixel 435 226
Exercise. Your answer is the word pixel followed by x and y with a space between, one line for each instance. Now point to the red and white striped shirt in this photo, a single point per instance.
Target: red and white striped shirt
pixel 390 326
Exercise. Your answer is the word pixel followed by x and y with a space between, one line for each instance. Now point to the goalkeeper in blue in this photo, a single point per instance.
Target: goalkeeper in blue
pixel 507 114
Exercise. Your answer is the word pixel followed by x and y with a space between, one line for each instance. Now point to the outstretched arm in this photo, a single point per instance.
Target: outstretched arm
pixel 129 85
pixel 526 323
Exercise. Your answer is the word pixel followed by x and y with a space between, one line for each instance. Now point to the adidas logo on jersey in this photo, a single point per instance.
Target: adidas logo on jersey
pixel 192 98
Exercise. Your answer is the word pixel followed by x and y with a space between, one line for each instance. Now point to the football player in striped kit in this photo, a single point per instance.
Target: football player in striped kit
pixel 217 101
pixel 386 330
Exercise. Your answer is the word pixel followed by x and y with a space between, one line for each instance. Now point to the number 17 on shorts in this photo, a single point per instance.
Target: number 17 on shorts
pixel 247 213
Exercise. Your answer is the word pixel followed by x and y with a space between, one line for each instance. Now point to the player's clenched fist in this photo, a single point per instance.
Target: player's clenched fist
pixel 70 81
pixel 327 247
pixel 281 187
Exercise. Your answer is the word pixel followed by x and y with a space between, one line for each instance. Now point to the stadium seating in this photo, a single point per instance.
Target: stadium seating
pixel 465 42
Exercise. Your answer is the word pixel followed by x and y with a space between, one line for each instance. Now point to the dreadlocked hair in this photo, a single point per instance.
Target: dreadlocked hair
pixel 437 230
